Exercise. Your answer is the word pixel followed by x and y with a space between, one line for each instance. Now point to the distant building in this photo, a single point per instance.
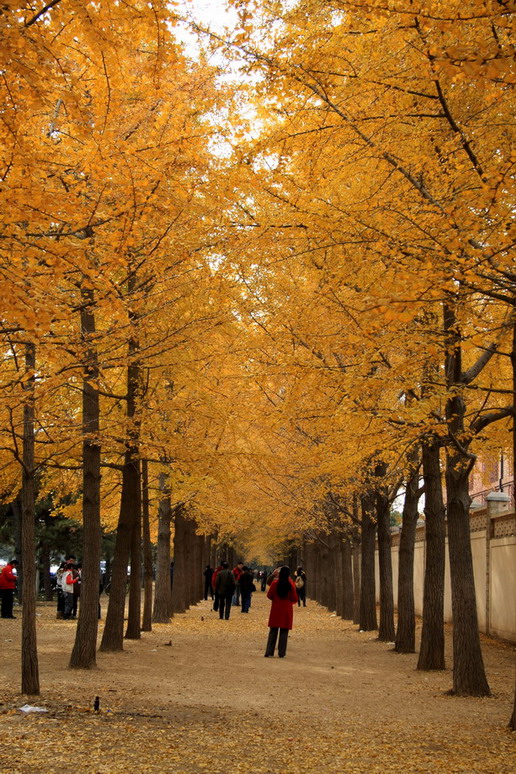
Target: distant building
pixel 491 474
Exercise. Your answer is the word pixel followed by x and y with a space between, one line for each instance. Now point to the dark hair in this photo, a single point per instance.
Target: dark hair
pixel 225 565
pixel 13 561
pixel 283 587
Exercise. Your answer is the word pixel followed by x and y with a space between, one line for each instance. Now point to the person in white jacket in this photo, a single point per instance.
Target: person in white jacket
pixel 69 579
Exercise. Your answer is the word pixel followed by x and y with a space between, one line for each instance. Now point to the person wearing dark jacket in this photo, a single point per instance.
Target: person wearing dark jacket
pixel 7 587
pixel 300 581
pixel 283 596
pixel 225 586
pixel 208 588
pixel 246 589
pixel 214 587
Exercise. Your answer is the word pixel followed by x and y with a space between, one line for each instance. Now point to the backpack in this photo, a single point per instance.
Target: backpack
pixel 299 582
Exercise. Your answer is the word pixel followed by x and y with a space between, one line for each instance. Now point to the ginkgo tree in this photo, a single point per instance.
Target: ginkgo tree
pixel 391 152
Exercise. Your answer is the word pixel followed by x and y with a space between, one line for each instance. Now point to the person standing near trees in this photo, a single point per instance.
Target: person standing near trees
pixel 68 581
pixel 237 572
pixel 246 589
pixel 77 571
pixel 7 587
pixel 225 585
pixel 208 588
pixel 300 582
pixel 60 592
pixel 214 587
pixel 283 596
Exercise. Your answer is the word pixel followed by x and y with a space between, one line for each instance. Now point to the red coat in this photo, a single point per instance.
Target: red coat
pixel 281 614
pixel 7 578
pixel 214 576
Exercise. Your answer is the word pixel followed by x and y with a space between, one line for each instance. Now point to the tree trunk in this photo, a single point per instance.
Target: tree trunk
pixel 147 552
pixel 406 630
pixel 356 558
pixel 189 567
pixel 314 579
pixel 163 593
pixel 178 589
pixel 29 652
pixel 133 631
pixel 347 581
pixel 322 575
pixel 338 575
pixel 386 632
pixel 83 654
pixel 198 566
pixel 512 722
pixel 331 590
pixel 367 621
pixel 113 636
pixel 431 652
pixel 469 678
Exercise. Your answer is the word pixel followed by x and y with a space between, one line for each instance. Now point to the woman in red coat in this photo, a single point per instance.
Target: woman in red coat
pixel 283 596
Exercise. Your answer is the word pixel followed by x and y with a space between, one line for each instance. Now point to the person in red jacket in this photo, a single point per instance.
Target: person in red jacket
pixel 237 572
pixel 214 586
pixel 7 587
pixel 283 596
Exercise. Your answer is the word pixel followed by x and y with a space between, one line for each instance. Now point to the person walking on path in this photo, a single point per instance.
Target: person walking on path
pixel 300 582
pixel 7 587
pixel 214 587
pixel 246 589
pixel 225 585
pixel 237 572
pixel 208 588
pixel 283 596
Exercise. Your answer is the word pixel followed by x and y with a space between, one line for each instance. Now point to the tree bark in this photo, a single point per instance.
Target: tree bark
pixel 29 651
pixel 406 630
pixel 178 589
pixel 347 580
pixel 357 554
pixel 83 654
pixel 512 722
pixel 386 631
pixel 367 621
pixel 431 651
pixel 163 593
pixel 133 631
pixel 338 575
pixel 147 552
pixel 469 678
pixel 113 636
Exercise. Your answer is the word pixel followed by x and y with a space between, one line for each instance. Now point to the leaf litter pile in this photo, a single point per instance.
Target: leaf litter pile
pixel 196 695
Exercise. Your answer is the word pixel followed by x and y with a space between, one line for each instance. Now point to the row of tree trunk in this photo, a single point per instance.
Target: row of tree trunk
pixel 340 566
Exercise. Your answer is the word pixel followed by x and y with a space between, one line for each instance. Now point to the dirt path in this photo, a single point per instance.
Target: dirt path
pixel 209 702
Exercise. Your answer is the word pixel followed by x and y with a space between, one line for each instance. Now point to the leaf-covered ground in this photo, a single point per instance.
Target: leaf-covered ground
pixel 209 702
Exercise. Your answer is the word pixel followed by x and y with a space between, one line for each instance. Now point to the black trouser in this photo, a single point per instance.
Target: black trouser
pixel 225 605
pixel 60 602
pixel 271 642
pixel 7 602
pixel 208 589
pixel 301 596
